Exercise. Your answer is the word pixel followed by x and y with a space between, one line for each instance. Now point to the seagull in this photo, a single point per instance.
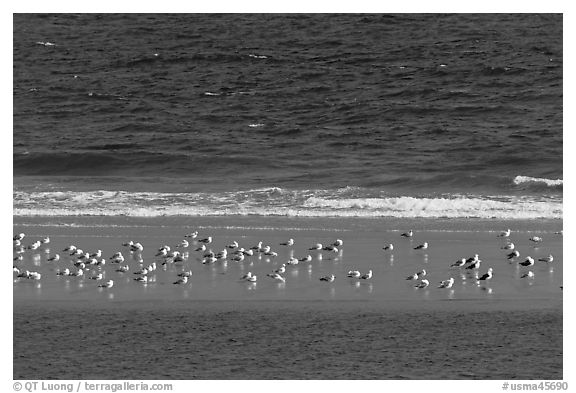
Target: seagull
pixel 271 253
pixel 143 271
pixel 318 246
pixel 281 269
pixel 422 246
pixel 161 253
pixel 20 236
pixel 19 258
pixel 246 276
pixel 331 248
pixel 475 258
pixel 446 283
pixel 65 272
pixel 329 278
pixel 46 240
pixel 185 274
pixel 535 239
pixel 107 284
pixel 34 276
pixel 338 243
pixel 529 274
pixel 486 276
pixel 233 245
pixel 548 259
pixel 290 242
pixel 97 277
pixel 257 247
pixel 505 233
pixel 78 273
pixel 293 261
pixel 123 269
pixel 422 284
pixel 182 280
pixel 410 233
pixel 528 262
pixel 207 240
pixel 252 278
pixel 354 274
pixel 307 258
pixel 366 276
pixel 389 247
pixel 70 248
pixel 514 254
pixel 97 254
pixel 474 265
pixel 417 275
pixel 459 263
pixel 136 247
pixel 183 244
pixel 143 279
pixel 276 277
pixel 193 235
pixel 509 246
pixel 201 248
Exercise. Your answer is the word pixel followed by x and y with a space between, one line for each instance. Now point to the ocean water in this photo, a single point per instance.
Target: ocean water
pixel 304 115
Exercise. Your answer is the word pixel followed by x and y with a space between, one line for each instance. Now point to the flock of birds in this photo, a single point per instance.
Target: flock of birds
pixel 87 264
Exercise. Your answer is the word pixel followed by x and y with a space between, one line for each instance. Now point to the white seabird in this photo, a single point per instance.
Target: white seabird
pixel 338 243
pixel 487 275
pixel 389 247
pixel 276 277
pixel 529 261
pixel 474 265
pixel 281 269
pixel 107 284
pixel 181 280
pixel 70 248
pixel 19 236
pixel 329 278
pixel 97 277
pixel 354 274
pixel 475 258
pixel 65 272
pixel 529 274
pixel 293 261
pixel 233 245
pixel 446 283
pixel 184 244
pixel 307 258
pixel 207 240
pixel 185 274
pixel 123 269
pixel 505 233
pixel 246 276
pixel 422 246
pixel 422 284
pixel 547 259
pixel 459 263
pixel 535 239
pixel 288 243
pixel 318 246
pixel 509 246
pixel 192 235
pixel 410 233
pixel 143 279
pixel 46 240
pixel 366 276
pixel 514 254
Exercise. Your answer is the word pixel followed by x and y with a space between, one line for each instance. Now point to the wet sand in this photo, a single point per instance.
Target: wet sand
pixel 217 327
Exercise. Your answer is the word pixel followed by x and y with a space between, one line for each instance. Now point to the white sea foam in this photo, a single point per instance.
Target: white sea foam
pixel 278 202
pixel 527 179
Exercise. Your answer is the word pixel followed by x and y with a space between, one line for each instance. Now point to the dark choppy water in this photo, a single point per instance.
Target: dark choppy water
pixel 360 115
